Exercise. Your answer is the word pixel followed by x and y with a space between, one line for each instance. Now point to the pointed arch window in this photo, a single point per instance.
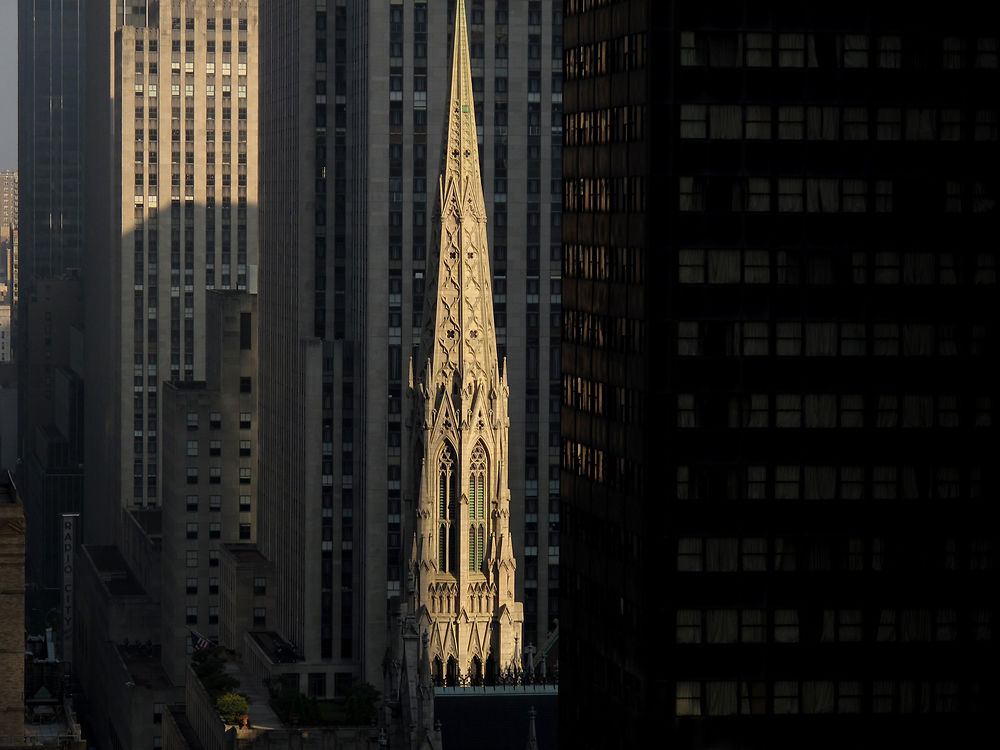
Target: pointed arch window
pixel 478 473
pixel 447 510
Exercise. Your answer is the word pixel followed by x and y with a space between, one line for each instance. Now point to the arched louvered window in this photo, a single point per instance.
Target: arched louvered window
pixel 478 477
pixel 447 509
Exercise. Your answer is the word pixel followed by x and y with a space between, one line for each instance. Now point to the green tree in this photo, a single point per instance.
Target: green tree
pixel 232 707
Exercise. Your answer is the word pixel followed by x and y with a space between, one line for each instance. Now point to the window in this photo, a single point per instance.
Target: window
pixel 758 122
pixel 688 626
pixel 244 447
pixel 214 530
pixel 791 50
pixel 192 475
pixel 192 531
pixel 244 420
pixel 791 123
pixel 758 50
pixel 788 410
pixel 244 531
pixel 259 617
pixel 215 447
pixel 244 503
pixel 693 123
pixel 890 54
pixel 214 502
pixel 689 554
pixel 192 420
pixel 213 559
pixel 725 122
pixel 854 123
pixel 753 625
pixel 215 475
pixel 245 385
pixel 259 586
pixel 215 421
pixel 213 586
pixel 688 699
pixel 854 50
pixel 192 616
pixel 790 194
pixel 192 503
pixel 478 501
pixel 192 558
pixel 192 586
pixel 244 475
pixel 691 266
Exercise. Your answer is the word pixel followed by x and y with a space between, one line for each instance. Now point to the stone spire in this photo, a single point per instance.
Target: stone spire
pixel 458 333
pixel 462 566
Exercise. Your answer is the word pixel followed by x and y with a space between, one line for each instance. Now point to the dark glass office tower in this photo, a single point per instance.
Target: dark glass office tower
pixel 779 389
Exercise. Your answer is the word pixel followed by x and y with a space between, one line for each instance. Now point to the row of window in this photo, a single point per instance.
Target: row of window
pixel 795 338
pixel 623 124
pixel 619 55
pixel 215 420
pixel 215 503
pixel 215 447
pixel 152 90
pixel 576 7
pixel 823 266
pixel 210 25
pixel 750 698
pixel 720 626
pixel 623 335
pixel 828 410
pixel 621 404
pixel 259 616
pixel 828 482
pixel 602 467
pixel 154 113
pixel 605 194
pixel 796 122
pixel 192 584
pixel 792 194
pixel 225 67
pixel 816 555
pixel 763 49
pixel 215 475
pixel 603 263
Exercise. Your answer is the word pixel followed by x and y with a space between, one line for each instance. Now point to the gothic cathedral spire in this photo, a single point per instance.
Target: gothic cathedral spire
pixel 462 563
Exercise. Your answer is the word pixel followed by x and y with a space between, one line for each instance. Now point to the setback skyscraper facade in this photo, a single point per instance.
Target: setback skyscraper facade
pixel 779 389
pixel 172 121
pixel 351 131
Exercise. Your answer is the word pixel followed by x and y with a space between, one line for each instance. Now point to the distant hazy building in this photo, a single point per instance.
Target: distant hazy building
pixel 8 198
pixel 780 396
pixel 50 120
pixel 11 611
pixel 174 215
pixel 6 333
pixel 351 132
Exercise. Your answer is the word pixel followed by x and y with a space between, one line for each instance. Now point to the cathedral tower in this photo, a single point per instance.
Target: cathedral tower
pixel 462 561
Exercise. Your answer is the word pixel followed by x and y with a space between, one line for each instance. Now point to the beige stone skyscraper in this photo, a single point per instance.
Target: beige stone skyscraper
pixel 180 216
pixel 463 561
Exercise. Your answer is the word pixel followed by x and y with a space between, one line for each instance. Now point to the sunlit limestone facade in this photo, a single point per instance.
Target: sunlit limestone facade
pixel 185 119
pixel 462 565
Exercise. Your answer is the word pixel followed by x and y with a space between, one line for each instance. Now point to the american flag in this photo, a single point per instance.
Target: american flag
pixel 198 641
